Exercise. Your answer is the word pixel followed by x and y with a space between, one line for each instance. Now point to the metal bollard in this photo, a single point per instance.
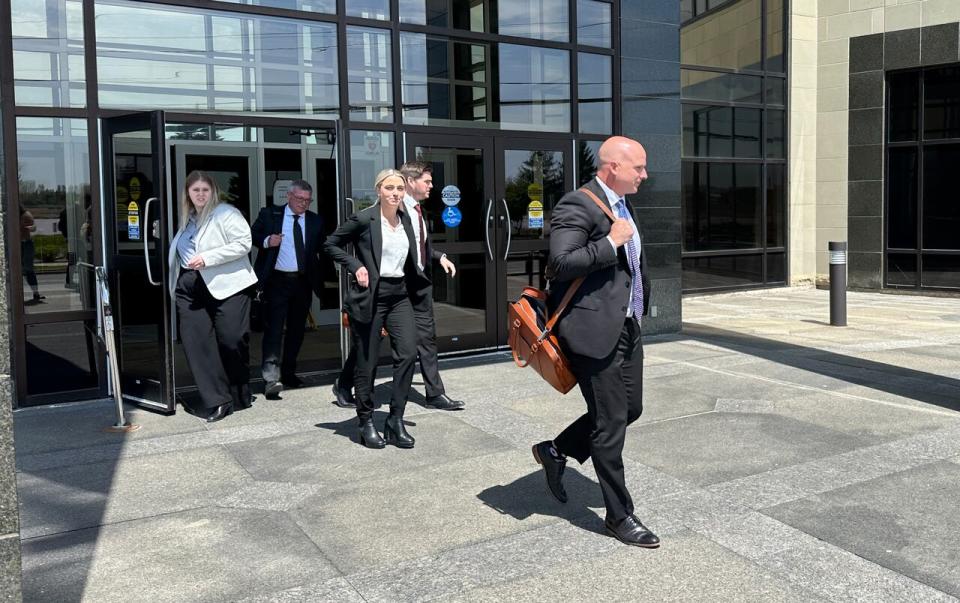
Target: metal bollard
pixel 838 283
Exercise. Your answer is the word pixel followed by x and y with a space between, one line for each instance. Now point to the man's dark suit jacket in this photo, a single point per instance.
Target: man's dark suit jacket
pixel 363 230
pixel 270 221
pixel 422 299
pixel 579 247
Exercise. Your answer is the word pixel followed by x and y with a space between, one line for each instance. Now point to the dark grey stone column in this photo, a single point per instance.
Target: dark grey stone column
pixel 650 106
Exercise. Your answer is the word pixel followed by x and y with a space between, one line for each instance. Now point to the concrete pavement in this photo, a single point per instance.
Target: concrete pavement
pixel 779 459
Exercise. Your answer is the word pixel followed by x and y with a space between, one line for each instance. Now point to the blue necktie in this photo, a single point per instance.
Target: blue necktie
pixel 634 258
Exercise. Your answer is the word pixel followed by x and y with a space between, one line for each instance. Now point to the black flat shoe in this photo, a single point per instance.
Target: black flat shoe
pixel 369 436
pixel 553 469
pixel 396 434
pixel 272 390
pixel 631 531
pixel 443 402
pixel 220 412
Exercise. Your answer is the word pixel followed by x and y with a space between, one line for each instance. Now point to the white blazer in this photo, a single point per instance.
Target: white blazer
pixel 223 242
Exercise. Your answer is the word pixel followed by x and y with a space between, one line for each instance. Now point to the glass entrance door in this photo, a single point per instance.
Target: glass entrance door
pixel 137 240
pixel 489 211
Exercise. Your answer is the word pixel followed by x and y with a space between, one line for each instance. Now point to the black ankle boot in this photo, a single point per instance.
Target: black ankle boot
pixel 395 433
pixel 369 436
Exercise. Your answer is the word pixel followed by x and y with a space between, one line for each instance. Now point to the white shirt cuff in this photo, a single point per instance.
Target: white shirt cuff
pixel 612 243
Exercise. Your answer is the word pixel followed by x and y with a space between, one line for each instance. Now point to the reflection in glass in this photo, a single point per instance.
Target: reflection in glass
pixel 941 103
pixel 721 206
pixel 56 227
pixel 593 23
pixel 776 146
pixel 588 153
pixel 904 106
pixel 534 88
pixel 941 271
pixel 776 91
pixel 469 15
pixel 941 212
pixel 722 272
pixel 722 87
pixel 462 168
pixel 61 357
pixel 534 182
pixel 776 38
pixel 721 131
pixel 369 73
pixel 525 269
pixel 902 174
pixel 540 19
pixel 595 93
pixel 902 269
pixel 729 37
pixel 192 59
pixel 314 6
pixel 776 204
pixel 460 304
pixel 48 65
pixel 436 91
pixel 776 267
pixel 369 9
pixel 370 152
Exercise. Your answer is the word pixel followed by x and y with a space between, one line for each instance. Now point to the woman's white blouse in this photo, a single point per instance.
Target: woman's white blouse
pixel 396 246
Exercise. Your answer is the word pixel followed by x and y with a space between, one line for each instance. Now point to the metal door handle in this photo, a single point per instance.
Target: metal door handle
pixel 486 229
pixel 509 229
pixel 146 242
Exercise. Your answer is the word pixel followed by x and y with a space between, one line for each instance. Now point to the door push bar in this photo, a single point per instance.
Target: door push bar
pixel 146 241
pixel 106 334
pixel 486 230
pixel 509 229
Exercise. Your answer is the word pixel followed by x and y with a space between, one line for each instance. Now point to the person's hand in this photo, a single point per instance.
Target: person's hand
pixel 274 240
pixel 363 277
pixel 196 262
pixel 448 266
pixel 621 231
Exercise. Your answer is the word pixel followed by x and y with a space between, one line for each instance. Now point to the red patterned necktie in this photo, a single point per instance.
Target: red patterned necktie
pixel 423 235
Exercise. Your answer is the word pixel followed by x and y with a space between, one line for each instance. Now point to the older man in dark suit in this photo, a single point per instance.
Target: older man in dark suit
pixel 290 240
pixel 600 333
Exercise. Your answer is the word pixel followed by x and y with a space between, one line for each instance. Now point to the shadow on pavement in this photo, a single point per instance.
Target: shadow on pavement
pixel 900 381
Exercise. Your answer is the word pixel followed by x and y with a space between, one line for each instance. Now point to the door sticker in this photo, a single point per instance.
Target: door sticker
pixel 535 215
pixel 133 221
pixel 451 217
pixel 450 196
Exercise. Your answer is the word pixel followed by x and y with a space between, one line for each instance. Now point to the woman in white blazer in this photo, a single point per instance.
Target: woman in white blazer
pixel 210 281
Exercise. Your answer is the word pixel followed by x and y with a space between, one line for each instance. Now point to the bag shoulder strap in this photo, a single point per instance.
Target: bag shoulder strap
pixel 576 284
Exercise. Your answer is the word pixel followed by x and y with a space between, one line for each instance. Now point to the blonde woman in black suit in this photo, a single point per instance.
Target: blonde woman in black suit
pixel 384 277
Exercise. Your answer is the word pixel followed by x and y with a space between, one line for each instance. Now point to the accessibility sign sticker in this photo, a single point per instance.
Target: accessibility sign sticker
pixel 451 217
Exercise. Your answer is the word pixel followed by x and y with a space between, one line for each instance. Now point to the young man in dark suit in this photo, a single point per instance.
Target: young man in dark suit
pixel 290 240
pixel 600 330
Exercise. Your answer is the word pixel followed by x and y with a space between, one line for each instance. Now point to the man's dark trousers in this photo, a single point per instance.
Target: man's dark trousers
pixel 613 390
pixel 288 297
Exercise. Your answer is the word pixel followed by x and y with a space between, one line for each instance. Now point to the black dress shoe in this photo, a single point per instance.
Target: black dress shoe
pixel 443 402
pixel 552 468
pixel 343 398
pixel 631 531
pixel 220 412
pixel 273 389
pixel 369 436
pixel 395 433
pixel 291 382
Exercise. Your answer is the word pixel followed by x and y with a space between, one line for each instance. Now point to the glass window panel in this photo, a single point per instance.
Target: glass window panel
pixel 776 267
pixel 369 73
pixel 941 103
pixel 776 39
pixel 722 87
pixel 776 134
pixel 746 132
pixel 776 91
pixel 686 10
pixel 56 220
pixel 776 205
pixel 370 152
pixel 726 38
pixel 902 269
pixel 204 60
pixel 902 174
pixel 941 212
pixel 721 132
pixel 369 9
pixel 48 60
pixel 595 93
pixel 593 23
pixel 722 272
pixel 904 106
pixel 588 152
pixel 532 177
pixel 469 15
pixel 314 6
pixel 61 357
pixel 941 271
pixel 430 94
pixel 534 88
pixel 722 206
pixel 540 19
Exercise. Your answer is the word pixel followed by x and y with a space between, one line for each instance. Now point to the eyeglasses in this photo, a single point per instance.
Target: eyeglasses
pixel 306 199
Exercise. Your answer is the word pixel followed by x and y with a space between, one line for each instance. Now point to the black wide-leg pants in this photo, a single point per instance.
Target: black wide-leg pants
pixel 216 338
pixel 392 309
pixel 613 390
pixel 288 297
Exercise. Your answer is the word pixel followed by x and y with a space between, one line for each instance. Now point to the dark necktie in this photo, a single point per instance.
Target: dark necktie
pixel 298 245
pixel 423 235
pixel 634 258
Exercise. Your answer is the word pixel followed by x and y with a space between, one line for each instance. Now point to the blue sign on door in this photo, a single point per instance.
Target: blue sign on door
pixel 451 217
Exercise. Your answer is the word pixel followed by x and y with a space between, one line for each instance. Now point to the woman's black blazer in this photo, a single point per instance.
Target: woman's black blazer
pixel 363 230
